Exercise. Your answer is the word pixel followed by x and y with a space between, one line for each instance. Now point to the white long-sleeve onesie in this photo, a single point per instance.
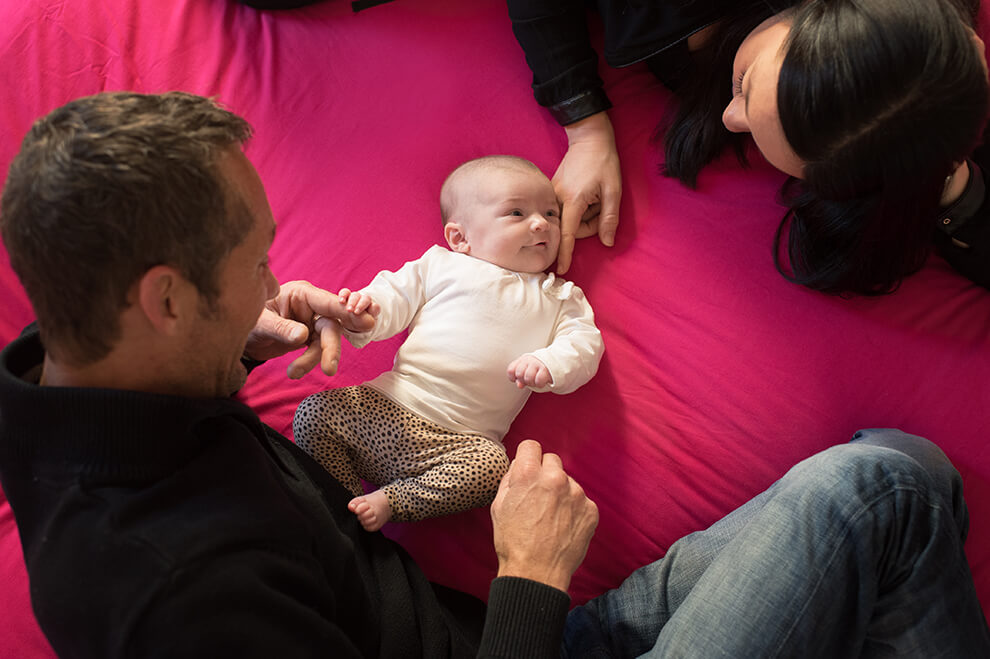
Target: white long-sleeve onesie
pixel 468 319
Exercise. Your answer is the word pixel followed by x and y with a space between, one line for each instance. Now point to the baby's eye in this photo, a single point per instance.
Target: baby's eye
pixel 552 214
pixel 517 213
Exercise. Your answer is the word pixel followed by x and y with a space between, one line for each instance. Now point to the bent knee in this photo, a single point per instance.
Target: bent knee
pixel 923 452
pixel 865 469
pixel 860 458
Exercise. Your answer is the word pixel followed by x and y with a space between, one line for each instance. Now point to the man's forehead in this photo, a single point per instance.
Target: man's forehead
pixel 236 168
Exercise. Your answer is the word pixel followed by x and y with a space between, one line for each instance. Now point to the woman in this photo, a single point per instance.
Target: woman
pixel 823 86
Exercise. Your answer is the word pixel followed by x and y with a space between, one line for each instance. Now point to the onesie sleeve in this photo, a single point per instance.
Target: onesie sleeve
pixel 576 350
pixel 400 295
pixel 554 36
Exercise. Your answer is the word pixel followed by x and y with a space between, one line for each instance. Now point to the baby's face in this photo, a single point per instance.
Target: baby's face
pixel 510 217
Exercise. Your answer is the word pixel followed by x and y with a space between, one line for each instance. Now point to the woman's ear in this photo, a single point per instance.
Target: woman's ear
pixel 456 238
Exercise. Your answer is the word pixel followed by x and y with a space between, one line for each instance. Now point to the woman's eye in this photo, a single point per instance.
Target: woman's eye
pixel 737 84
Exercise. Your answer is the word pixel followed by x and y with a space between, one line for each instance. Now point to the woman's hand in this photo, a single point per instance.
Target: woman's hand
pixel 588 184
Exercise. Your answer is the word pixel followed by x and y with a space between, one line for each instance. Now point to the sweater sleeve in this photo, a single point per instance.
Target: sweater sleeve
pixel 525 619
pixel 400 294
pixel 554 37
pixel 576 350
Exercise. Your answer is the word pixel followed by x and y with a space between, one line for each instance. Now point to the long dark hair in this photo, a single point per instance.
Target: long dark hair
pixel 692 133
pixel 881 99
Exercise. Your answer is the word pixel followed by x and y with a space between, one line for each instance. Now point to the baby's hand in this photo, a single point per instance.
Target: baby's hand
pixel 528 371
pixel 357 303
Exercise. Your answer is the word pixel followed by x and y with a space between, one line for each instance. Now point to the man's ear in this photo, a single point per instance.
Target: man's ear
pixel 456 238
pixel 163 295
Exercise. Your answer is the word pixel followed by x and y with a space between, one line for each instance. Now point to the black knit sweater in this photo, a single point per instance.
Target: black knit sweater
pixel 160 526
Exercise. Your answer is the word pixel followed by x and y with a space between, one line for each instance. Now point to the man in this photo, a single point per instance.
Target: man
pixel 161 518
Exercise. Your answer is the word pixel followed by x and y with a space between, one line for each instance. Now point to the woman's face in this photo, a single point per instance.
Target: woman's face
pixel 753 108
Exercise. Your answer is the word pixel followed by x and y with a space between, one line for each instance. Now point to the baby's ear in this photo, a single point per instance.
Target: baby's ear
pixel 456 238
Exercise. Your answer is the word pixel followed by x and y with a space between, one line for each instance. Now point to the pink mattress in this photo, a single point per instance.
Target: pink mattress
pixel 718 374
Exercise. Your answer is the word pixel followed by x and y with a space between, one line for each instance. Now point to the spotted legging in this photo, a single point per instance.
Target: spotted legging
pixel 425 470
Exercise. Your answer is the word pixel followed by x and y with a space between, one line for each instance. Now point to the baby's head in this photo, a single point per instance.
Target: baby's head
pixel 502 209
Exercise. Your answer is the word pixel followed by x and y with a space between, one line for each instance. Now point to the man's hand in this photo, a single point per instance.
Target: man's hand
pixel 528 371
pixel 542 519
pixel 588 184
pixel 304 315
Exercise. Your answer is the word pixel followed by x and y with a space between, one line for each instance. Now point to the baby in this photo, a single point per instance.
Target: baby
pixel 486 328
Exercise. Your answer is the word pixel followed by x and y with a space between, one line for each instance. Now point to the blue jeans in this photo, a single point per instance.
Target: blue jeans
pixel 855 552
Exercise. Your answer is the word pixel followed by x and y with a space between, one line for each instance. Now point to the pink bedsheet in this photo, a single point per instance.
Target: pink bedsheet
pixel 718 374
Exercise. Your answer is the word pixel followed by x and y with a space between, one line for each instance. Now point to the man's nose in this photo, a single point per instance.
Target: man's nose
pixel 273 285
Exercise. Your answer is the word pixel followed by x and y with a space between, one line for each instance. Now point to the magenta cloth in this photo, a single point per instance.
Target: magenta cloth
pixel 718 374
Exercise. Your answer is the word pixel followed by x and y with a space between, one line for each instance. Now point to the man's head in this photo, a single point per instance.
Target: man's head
pixel 502 209
pixel 108 187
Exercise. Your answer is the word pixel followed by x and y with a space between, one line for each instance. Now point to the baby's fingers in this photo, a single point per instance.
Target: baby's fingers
pixel 516 370
pixel 541 378
pixel 363 303
pixel 536 375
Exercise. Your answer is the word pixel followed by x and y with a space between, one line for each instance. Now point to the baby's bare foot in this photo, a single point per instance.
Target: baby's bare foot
pixel 372 510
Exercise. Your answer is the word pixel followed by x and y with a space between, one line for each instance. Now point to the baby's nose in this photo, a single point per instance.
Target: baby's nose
pixel 539 223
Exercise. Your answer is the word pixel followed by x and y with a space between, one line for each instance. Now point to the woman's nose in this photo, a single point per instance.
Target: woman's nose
pixel 734 116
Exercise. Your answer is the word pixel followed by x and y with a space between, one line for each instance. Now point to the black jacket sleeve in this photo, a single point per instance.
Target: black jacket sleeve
pixel 963 238
pixel 554 36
